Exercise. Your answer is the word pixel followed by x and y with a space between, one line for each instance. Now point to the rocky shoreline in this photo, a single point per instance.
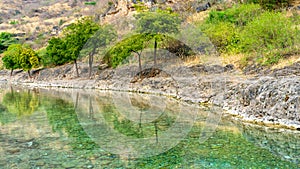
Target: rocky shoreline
pixel 270 98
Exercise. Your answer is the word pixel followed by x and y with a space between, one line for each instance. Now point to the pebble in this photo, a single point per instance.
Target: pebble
pixel 40 163
pixel 13 151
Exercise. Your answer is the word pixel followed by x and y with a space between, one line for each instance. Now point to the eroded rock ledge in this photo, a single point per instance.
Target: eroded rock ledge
pixel 272 99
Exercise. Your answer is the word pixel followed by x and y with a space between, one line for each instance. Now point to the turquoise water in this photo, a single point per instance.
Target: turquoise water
pixel 43 128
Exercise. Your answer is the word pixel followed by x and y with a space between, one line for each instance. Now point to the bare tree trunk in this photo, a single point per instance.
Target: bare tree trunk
pixel 28 71
pixel 91 60
pixel 11 72
pixel 155 48
pixel 77 73
pixel 139 58
pixel 140 63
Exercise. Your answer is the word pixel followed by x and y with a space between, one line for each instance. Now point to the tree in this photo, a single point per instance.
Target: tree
pixel 124 48
pixel 11 57
pixel 68 47
pixel 6 39
pixel 56 50
pixel 102 38
pixel 22 57
pixel 28 59
pixel 157 23
pixel 76 35
pixel 136 43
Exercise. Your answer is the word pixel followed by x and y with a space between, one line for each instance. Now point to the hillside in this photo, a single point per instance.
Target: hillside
pixel 35 22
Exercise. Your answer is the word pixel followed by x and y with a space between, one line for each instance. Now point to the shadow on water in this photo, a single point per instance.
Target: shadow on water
pixel 87 129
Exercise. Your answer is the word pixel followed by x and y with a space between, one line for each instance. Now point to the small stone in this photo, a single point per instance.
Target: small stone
pixel 69 164
pixel 13 151
pixel 90 166
pixel 40 163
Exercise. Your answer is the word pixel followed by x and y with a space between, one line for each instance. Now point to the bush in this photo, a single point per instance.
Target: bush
pixel 271 4
pixel 239 15
pixel 264 37
pixel 93 3
pixel 223 35
pixel 269 31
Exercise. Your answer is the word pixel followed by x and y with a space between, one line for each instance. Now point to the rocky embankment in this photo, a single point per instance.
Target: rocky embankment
pixel 269 97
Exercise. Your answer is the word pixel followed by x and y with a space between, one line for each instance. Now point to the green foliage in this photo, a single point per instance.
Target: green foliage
pixel 263 36
pixel 56 52
pixel 44 59
pixel 93 3
pixel 104 36
pixel 151 26
pixel 11 57
pixel 123 49
pixel 262 33
pixel 224 35
pixel 157 22
pixel 61 22
pixel 14 22
pixel 271 4
pixel 28 59
pixel 239 15
pixel 18 56
pixel 140 7
pixel 6 39
pixel 67 48
pixel 77 34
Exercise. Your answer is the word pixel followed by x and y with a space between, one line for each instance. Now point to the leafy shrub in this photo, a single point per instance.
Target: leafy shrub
pixel 140 7
pixel 223 35
pixel 271 4
pixel 262 36
pixel 44 59
pixel 90 3
pixel 268 32
pixel 14 22
pixel 239 15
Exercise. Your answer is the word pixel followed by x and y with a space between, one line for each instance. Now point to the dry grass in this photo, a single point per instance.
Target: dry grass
pixel 286 62
pixel 233 59
pixel 197 18
pixel 203 59
pixel 193 60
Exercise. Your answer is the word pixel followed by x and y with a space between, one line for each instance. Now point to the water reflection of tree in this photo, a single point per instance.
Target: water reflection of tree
pixel 21 103
pixel 133 128
pixel 62 117
pixel 6 116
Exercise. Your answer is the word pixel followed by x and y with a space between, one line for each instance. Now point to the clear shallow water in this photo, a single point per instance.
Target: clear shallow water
pixel 87 129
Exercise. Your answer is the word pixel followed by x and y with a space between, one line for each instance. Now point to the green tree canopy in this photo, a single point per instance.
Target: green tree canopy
pixel 158 22
pixel 100 40
pixel 11 57
pixel 123 49
pixel 28 59
pixel 67 48
pixel 56 51
pixel 150 26
pixel 20 57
